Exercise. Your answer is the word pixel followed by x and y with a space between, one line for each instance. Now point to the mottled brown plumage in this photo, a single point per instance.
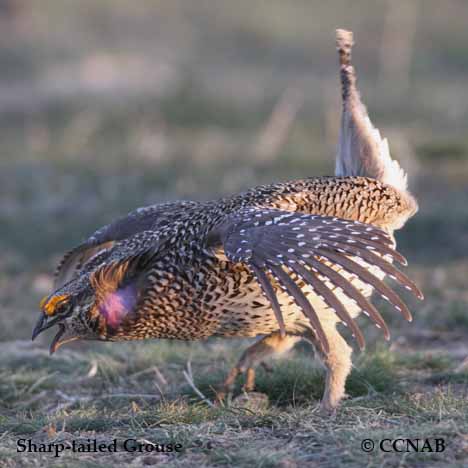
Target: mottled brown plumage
pixel 288 260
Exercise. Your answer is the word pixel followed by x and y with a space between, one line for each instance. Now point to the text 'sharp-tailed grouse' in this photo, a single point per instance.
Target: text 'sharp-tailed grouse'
pixel 288 260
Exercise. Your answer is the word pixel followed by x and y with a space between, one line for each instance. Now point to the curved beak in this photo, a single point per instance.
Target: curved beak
pixel 42 324
pixel 64 334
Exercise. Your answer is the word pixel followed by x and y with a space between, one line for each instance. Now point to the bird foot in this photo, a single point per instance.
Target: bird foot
pixel 327 410
pixel 253 401
pixel 227 387
pixel 328 406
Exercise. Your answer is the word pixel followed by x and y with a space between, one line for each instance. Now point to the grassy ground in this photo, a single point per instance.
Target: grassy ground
pixel 105 106
pixel 138 392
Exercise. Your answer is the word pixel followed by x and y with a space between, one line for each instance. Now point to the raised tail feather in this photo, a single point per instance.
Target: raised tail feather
pixel 361 151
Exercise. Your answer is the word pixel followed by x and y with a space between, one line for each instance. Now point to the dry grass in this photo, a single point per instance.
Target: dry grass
pixel 138 391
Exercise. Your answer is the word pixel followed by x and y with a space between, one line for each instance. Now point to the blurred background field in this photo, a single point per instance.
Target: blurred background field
pixel 106 106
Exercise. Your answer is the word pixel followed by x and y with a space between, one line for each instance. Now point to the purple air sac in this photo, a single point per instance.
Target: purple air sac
pixel 117 305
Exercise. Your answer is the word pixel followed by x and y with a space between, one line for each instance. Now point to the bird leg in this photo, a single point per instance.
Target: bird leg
pixel 338 365
pixel 266 347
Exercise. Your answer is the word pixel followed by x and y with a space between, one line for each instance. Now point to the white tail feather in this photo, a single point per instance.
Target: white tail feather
pixel 361 150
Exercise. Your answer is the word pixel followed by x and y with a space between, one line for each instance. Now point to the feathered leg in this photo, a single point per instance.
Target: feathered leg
pixel 268 346
pixel 338 365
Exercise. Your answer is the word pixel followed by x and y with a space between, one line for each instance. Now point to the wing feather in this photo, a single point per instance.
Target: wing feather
pixel 281 243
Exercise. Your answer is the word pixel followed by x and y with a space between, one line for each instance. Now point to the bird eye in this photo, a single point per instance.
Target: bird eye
pixel 53 305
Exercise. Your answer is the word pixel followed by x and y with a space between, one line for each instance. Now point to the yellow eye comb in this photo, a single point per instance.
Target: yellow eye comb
pixel 49 306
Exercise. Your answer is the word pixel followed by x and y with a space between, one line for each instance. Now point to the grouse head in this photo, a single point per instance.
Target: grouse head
pixel 90 307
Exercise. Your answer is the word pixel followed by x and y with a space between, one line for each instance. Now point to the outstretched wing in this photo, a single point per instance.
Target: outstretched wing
pixel 74 259
pixel 275 244
pixel 149 218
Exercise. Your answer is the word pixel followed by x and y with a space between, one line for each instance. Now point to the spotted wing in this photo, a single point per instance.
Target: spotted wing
pixel 149 218
pixel 279 246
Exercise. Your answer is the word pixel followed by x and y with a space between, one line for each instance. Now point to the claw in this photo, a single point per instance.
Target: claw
pixel 228 385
